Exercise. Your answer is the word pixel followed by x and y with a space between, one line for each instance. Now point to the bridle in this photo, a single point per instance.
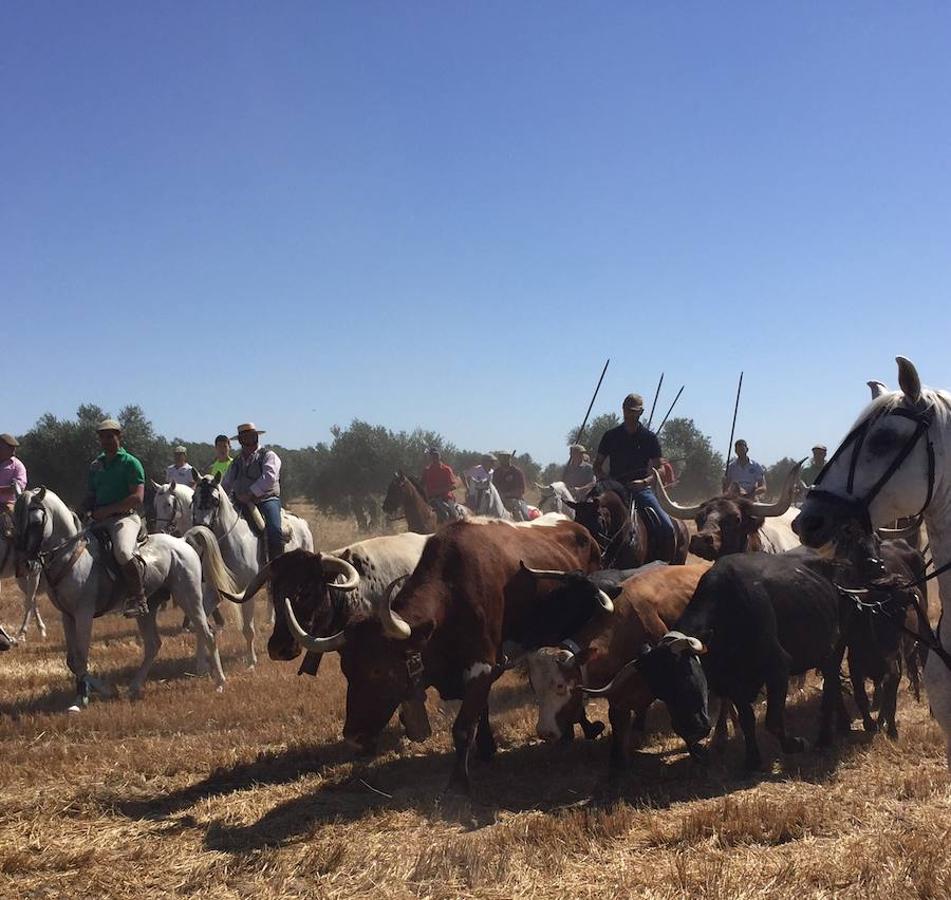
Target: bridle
pixel 165 524
pixel 858 507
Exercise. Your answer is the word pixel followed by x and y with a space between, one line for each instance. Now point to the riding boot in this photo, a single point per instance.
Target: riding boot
pixel 136 603
pixel 274 549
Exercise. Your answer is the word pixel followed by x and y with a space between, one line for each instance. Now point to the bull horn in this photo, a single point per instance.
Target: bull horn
pixel 337 566
pixel 543 487
pixel 674 510
pixel 557 574
pixel 766 510
pixel 677 641
pixel 394 625
pixel 618 681
pixel 308 641
pixel 894 534
pixel 256 584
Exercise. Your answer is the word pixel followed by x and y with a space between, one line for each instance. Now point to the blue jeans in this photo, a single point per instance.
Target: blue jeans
pixel 271 510
pixel 647 498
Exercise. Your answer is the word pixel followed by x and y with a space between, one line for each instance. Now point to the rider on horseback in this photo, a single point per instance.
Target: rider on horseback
pixel 253 479
pixel 510 483
pixel 439 482
pixel 116 491
pixel 633 450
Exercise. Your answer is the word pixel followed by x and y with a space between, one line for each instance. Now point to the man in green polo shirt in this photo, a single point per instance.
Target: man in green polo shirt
pixel 116 491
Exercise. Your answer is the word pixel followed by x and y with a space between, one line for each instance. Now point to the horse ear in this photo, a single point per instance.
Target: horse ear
pixel 908 379
pixel 155 485
pixel 877 388
pixel 40 494
pixel 171 485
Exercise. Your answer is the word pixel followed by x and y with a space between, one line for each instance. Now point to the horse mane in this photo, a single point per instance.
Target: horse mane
pixel 415 482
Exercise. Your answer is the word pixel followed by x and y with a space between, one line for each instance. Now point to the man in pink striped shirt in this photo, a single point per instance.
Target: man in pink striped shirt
pixel 12 471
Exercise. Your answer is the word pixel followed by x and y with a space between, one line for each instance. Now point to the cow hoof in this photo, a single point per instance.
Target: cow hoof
pixel 698 753
pixel 870 725
pixel 568 735
pixel 891 732
pixel 592 730
pixel 486 751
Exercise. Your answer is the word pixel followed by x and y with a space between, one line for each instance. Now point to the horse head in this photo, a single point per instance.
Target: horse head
pixel 208 500
pixel 883 470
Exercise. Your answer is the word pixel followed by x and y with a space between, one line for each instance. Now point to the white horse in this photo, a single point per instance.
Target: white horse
pixel 555 497
pixel 488 501
pixel 80 587
pixel 243 553
pixel 894 463
pixel 28 583
pixel 173 508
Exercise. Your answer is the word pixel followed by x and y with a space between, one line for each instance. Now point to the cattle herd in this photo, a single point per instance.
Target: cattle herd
pixel 456 609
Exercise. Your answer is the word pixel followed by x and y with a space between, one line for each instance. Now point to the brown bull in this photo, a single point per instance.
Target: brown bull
pixel 732 524
pixel 446 626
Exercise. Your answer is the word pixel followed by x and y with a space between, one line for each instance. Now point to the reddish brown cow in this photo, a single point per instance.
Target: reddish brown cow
pixel 446 626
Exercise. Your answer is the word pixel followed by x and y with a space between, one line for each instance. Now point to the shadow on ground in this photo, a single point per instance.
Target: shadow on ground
pixel 545 777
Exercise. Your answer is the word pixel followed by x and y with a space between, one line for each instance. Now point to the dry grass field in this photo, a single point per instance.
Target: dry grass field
pixel 251 794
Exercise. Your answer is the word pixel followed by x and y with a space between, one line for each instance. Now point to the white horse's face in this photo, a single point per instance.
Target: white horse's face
pixel 206 502
pixel 33 523
pixel 891 432
pixel 165 507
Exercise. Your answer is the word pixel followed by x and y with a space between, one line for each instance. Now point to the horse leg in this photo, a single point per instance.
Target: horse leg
pixel 247 629
pixel 151 643
pixel 30 587
pixel 196 601
pixel 78 630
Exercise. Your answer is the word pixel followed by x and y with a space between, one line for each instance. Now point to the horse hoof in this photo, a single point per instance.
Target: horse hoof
pixel 219 689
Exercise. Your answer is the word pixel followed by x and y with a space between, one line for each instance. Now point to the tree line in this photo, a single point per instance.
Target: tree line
pixel 350 473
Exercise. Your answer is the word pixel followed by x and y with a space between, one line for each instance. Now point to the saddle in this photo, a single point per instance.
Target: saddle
pixel 107 557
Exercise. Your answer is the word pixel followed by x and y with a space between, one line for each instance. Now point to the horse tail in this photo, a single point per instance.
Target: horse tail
pixel 213 568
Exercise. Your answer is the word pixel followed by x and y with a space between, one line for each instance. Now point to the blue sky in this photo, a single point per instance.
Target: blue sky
pixel 449 214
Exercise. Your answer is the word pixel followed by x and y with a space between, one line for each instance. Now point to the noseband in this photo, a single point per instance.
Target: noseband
pixel 858 507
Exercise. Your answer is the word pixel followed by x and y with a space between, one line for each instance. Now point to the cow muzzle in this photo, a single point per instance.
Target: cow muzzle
pixel 705 546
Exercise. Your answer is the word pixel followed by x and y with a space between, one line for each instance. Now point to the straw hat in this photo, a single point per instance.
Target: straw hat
pixel 248 427
pixel 109 425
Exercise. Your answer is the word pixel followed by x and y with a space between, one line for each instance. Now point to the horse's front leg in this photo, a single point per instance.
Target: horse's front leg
pixel 29 585
pixel 247 628
pixel 151 643
pixel 78 631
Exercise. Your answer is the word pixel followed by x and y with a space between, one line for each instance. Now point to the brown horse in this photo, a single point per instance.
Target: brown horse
pixel 625 544
pixel 406 495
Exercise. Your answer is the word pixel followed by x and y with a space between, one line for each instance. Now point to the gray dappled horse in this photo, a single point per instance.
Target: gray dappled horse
pixel 81 588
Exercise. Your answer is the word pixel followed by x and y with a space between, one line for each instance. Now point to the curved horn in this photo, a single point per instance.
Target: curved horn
pixel 308 641
pixel 394 625
pixel 618 681
pixel 877 389
pixel 677 641
pixel 337 566
pixel 766 510
pixel 607 604
pixel 255 585
pixel 557 574
pixel 892 534
pixel 543 487
pixel 675 510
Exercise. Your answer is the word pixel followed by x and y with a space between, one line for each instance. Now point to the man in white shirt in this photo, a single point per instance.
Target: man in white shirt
pixel 743 475
pixel 181 472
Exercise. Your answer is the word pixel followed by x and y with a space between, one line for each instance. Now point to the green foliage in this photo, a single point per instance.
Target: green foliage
pixel 776 475
pixel 699 468
pixel 593 432
pixel 349 475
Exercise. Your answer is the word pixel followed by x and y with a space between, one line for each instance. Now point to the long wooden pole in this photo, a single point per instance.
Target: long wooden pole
pixel 736 407
pixel 669 411
pixel 591 404
pixel 650 418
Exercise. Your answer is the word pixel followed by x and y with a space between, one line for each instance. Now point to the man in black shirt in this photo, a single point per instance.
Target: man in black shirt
pixel 633 451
